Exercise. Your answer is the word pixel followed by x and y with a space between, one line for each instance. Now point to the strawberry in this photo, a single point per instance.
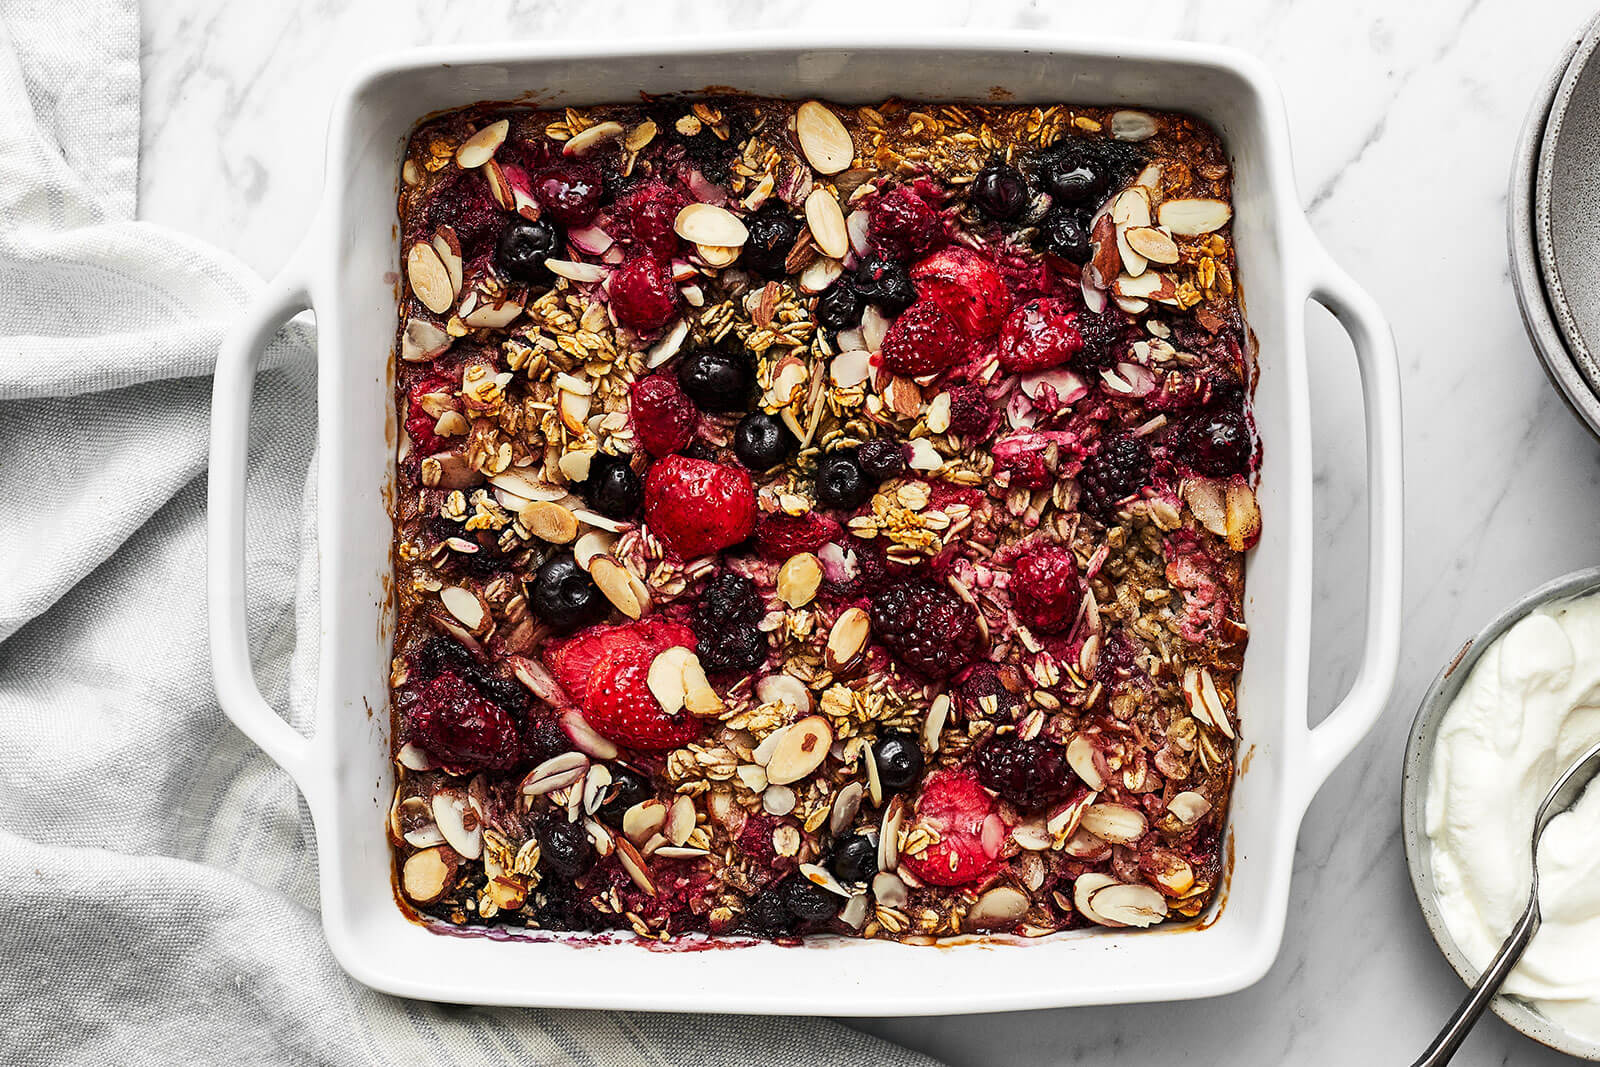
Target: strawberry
pixel 970 830
pixel 574 660
pixel 621 706
pixel 1040 334
pixel 922 340
pixel 664 417
pixel 966 287
pixel 780 536
pixel 695 506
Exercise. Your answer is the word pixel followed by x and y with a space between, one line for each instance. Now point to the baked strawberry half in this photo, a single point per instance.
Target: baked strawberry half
pixel 621 706
pixel 954 804
pixel 574 660
pixel 967 287
pixel 695 506
pixel 922 340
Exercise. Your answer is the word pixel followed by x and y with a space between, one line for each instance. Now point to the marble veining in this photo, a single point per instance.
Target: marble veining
pixel 1404 119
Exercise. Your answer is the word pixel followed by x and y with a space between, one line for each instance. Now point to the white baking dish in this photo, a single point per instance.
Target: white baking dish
pixel 346 272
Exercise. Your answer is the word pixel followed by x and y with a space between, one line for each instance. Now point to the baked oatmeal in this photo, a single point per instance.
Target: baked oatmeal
pixel 816 519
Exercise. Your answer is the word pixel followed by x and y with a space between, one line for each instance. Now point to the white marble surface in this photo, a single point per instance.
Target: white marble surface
pixel 1404 117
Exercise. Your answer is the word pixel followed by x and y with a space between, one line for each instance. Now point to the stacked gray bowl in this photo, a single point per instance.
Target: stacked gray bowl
pixel 1554 225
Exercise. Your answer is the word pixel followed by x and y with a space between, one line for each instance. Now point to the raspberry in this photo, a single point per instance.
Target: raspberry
pixel 971 415
pixel 1040 334
pixel 1025 456
pixel 954 805
pixel 648 212
pixel 1031 774
pixel 622 708
pixel 966 287
pixel 419 424
pixel 574 660
pixel 1216 443
pixel 922 340
pixel 462 730
pixel 901 224
pixel 570 192
pixel 779 536
pixel 696 506
pixel 982 682
pixel 1046 589
pixel 463 203
pixel 1118 470
pixel 642 294
pixel 726 620
pixel 663 417
pixel 926 626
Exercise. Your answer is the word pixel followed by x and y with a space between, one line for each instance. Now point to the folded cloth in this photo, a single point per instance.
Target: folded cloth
pixel 158 896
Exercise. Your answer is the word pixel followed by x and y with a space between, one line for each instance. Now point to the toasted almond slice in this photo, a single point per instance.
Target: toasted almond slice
pixel 449 248
pixel 1132 126
pixel 478 149
pixel 459 822
pixel 802 749
pixel 933 725
pixel 849 369
pixel 494 314
pixel 644 820
pixel 819 274
pixel 846 804
pixel 557 772
pixel 924 457
pixel 1173 874
pixel 574 464
pixel 429 279
pixel 464 605
pixel 519 482
pixel 422 341
pixel 1243 522
pixel 798 579
pixel 1032 835
pixel 826 220
pixel 778 800
pixel 1084 887
pixel 593 543
pixel 848 639
pixel 1064 818
pixel 1194 216
pixel 874 780
pixel 707 224
pixel 612 578
pixel 894 817
pixel 451 424
pixel 635 865
pixel 549 521
pixel 427 874
pixel 1118 823
pixel 665 678
pixel 1082 845
pixel 1152 244
pixel 582 143
pixel 424 836
pixel 680 820
pixel 717 256
pixel 1189 807
pixel 1151 285
pixel 1126 905
pixel 595 784
pixel 823 138
pixel 819 875
pixel 1080 757
pixel 1205 499
pixel 668 346
pixel 1131 207
pixel 414 757
pixel 1000 906
pixel 574 410
pixel 753 777
pixel 575 271
pixel 640 136
pixel 890 889
pixel 938 414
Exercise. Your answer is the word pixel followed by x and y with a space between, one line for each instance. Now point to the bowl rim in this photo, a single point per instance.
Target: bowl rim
pixel 1514 1011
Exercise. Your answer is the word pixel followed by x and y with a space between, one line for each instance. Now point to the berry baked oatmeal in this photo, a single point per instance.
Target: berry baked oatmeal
pixel 816 519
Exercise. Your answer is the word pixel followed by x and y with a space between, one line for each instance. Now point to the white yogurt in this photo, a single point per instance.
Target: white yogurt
pixel 1530 707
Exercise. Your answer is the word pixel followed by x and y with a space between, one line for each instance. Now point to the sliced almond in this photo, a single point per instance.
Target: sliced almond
pixel 798 579
pixel 449 248
pixel 1127 905
pixel 635 865
pixel 1152 244
pixel 846 805
pixel 1117 823
pixel 699 698
pixel 576 271
pixel 1081 758
pixel 428 874
pixel 1084 887
pixel 668 346
pixel 593 543
pixel 823 138
pixel 459 822
pixel 1244 518
pixel 848 639
pixel 1194 216
pixel 665 678
pixel 680 821
pixel 478 149
pixel 778 800
pixel 644 820
pixel 612 578
pixel 422 341
pixel 583 735
pixel 707 224
pixel 819 274
pixel 933 725
pixel 826 220
pixel 849 369
pixel 894 817
pixel 494 314
pixel 1173 874
pixel 718 256
pixel 582 143
pixel 1205 497
pixel 1151 285
pixel 574 411
pixel 465 606
pixel 890 889
pixel 429 279
pixel 753 777
pixel 819 875
pixel 1083 845
pixel 803 748
pixel 874 779
pixel 1000 906
pixel 1189 807
pixel 1132 126
pixel 938 414
pixel 1064 818
pixel 414 757
pixel 549 521
pixel 557 772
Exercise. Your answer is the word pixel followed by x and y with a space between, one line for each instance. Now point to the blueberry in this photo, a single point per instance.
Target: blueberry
pixel 765 914
pixel 882 458
pixel 839 308
pixel 628 787
pixel 899 760
pixel 523 249
pixel 855 858
pixel 564 595
pixel 886 284
pixel 1072 177
pixel 762 441
pixel 806 901
pixel 840 482
pixel 772 233
pixel 564 847
pixel 1065 233
pixel 612 488
pixel 1000 192
pixel 717 379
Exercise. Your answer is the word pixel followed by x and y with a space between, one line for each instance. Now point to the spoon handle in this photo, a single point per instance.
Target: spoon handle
pixel 1466 1016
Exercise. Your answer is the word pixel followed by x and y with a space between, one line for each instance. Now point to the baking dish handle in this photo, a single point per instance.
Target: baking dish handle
pixel 237 691
pixel 1334 738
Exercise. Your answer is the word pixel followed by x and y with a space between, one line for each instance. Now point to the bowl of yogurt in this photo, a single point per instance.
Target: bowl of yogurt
pixel 1501 722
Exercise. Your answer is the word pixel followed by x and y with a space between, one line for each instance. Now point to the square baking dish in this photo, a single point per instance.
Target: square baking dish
pixel 346 271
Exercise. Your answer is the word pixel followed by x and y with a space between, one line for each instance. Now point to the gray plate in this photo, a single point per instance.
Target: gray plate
pixel 1526 274
pixel 1414 797
pixel 1567 206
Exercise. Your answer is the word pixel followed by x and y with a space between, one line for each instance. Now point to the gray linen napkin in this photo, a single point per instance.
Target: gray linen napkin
pixel 158 892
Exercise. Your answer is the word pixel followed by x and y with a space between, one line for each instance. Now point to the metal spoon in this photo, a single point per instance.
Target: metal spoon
pixel 1568 788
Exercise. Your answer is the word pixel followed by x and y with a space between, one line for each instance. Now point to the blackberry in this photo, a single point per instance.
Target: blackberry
pixel 772 235
pixel 765 915
pixel 439 655
pixel 926 627
pixel 806 901
pixel 882 458
pixel 1031 774
pixel 1119 469
pixel 726 622
pixel 1217 442
pixel 543 739
pixel 982 682
pixel 1101 336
